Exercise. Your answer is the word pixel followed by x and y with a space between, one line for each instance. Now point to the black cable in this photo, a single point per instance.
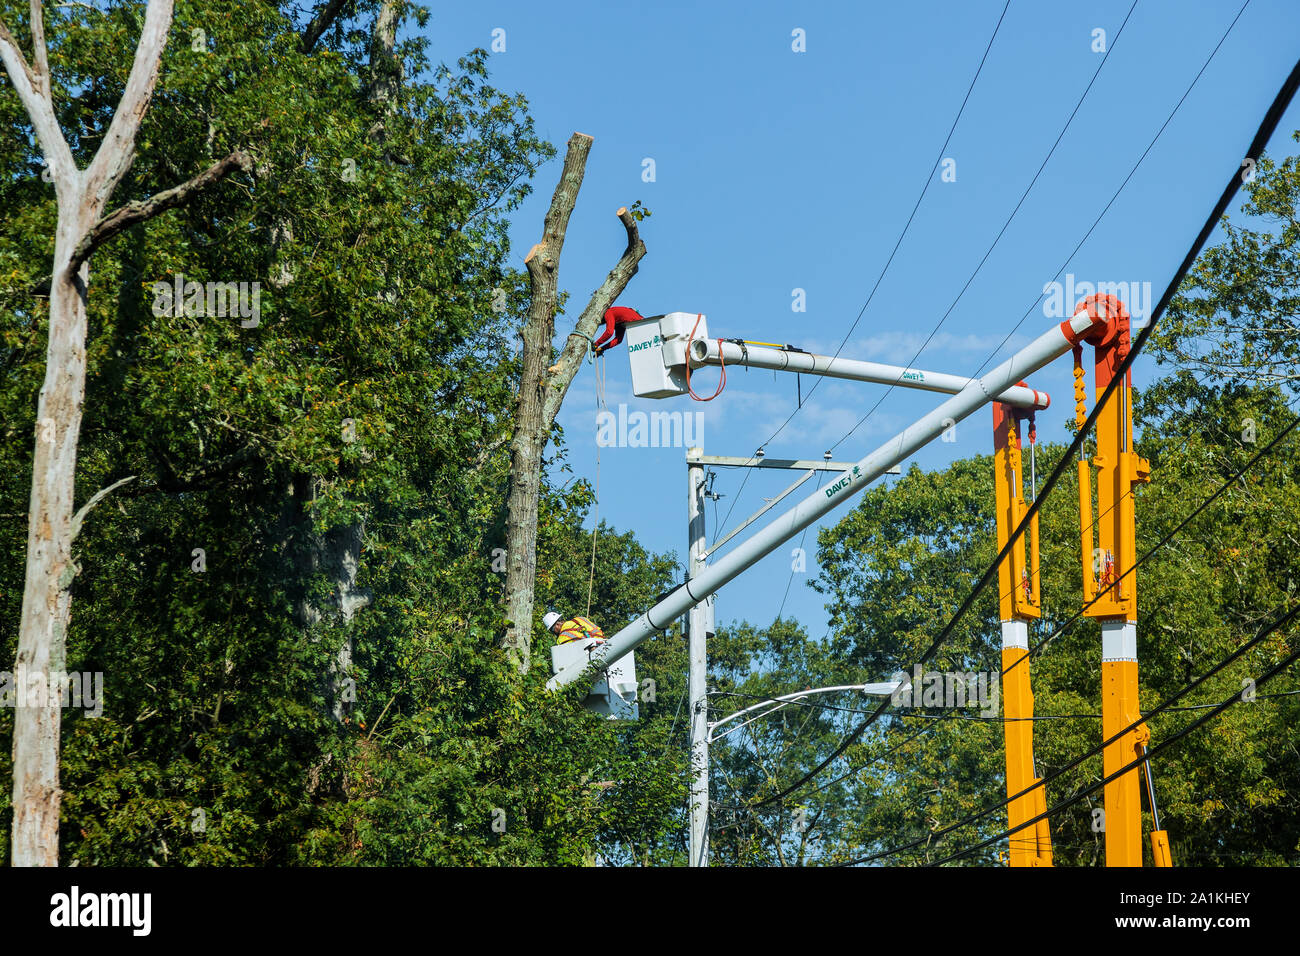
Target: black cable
pixel 1161 543
pixel 790 582
pixel 952 714
pixel 929 179
pixel 1168 119
pixel 1224 486
pixel 888 752
pixel 1005 225
pixel 1260 140
pixel 1119 190
pixel 1166 705
pixel 1136 762
pixel 896 713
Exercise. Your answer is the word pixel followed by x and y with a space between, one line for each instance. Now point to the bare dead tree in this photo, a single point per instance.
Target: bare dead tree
pixel 82 196
pixel 543 385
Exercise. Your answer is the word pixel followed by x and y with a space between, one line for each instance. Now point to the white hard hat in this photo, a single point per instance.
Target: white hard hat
pixel 549 620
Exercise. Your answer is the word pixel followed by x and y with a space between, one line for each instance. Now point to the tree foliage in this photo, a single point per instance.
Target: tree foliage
pixel 374 389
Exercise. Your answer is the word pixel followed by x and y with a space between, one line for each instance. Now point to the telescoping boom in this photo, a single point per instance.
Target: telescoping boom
pixel 975 394
pixel 722 352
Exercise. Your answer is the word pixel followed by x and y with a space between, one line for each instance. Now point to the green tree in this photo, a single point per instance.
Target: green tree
pixel 371 397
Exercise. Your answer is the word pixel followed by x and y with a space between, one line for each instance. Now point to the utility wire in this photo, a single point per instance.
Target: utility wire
pixel 1005 225
pixel 790 582
pixel 1137 762
pixel 1256 147
pixel 1161 543
pixel 1166 705
pixel 906 226
pixel 1115 195
pixel 952 714
pixel 1224 486
pixel 893 749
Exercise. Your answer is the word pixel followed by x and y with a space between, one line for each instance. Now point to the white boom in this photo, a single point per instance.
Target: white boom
pixel 719 352
pixel 976 393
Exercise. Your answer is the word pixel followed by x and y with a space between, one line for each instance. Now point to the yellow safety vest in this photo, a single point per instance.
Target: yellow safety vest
pixel 579 628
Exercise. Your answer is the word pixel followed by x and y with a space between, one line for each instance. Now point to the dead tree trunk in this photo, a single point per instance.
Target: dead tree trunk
pixel 543 385
pixel 82 196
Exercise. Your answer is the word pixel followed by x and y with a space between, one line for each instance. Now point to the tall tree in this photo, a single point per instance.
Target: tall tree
pixel 543 385
pixel 82 196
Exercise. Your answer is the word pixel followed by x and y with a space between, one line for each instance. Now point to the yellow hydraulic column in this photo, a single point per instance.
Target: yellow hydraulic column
pixel 1119 470
pixel 1018 604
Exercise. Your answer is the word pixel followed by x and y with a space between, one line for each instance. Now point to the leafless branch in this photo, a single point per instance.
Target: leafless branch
pixel 31 91
pixel 575 346
pixel 95 499
pixel 40 54
pixel 138 211
pixel 115 153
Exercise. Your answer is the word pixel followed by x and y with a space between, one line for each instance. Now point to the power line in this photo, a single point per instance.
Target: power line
pixel 1138 761
pixel 1005 225
pixel 1167 705
pixel 952 714
pixel 901 236
pixel 1159 544
pixel 790 582
pixel 889 752
pixel 1224 486
pixel 1120 189
pixel 895 713
pixel 1262 135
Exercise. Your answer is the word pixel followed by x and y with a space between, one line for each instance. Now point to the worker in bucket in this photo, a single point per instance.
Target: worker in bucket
pixel 576 628
pixel 616 320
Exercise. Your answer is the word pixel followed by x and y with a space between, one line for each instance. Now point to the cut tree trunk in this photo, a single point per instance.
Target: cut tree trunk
pixel 543 385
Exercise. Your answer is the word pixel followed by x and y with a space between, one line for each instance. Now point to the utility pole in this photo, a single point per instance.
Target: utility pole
pixel 700 629
pixel 701 617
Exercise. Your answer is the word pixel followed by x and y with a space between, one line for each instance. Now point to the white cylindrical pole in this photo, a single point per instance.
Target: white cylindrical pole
pixel 714 352
pixel 700 623
pixel 1048 346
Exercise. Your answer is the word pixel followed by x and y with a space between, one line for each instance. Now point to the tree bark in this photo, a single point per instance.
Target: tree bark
pixel 52 526
pixel 543 386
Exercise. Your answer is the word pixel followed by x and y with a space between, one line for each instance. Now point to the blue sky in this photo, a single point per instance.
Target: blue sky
pixel 778 170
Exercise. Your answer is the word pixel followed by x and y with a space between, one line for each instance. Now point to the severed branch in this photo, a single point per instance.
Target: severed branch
pixel 576 345
pixel 138 211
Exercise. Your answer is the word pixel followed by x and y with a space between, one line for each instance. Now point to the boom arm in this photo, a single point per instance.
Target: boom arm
pixel 978 392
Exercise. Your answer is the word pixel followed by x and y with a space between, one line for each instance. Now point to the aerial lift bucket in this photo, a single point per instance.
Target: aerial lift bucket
pixel 614 694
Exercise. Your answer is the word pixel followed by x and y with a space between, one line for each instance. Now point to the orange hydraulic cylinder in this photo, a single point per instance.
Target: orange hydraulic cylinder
pixel 1031 846
pixel 1018 588
pixel 1105 559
